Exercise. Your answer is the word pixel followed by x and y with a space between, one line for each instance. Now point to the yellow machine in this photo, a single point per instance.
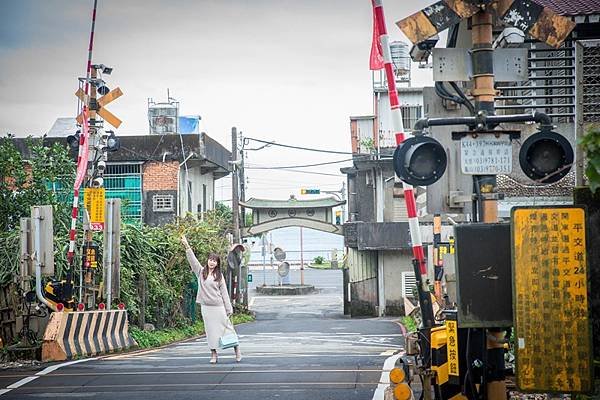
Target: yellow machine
pixel 60 292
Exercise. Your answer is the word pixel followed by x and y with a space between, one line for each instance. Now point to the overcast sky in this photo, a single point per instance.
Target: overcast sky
pixel 289 71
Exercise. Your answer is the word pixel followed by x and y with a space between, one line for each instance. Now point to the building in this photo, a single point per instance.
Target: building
pixel 166 176
pixel 159 177
pixel 379 256
pixel 376 234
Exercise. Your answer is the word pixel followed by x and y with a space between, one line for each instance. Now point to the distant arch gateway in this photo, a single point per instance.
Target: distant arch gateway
pixel 268 215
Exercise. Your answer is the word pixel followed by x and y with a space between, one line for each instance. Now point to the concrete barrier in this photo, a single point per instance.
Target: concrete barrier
pixel 72 335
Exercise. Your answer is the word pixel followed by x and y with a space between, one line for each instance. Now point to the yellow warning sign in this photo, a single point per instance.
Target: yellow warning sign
pixel 94 199
pixel 452 332
pixel 552 326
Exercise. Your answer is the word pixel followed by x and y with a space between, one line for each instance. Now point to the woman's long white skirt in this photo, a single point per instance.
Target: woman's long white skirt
pixel 216 324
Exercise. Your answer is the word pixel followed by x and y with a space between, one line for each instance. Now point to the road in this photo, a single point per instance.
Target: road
pixel 300 347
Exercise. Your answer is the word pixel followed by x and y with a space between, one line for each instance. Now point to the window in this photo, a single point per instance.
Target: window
pixel 204 197
pixel 189 196
pixel 162 203
pixel 410 115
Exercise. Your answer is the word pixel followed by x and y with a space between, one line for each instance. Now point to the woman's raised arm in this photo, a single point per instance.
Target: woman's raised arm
pixel 191 257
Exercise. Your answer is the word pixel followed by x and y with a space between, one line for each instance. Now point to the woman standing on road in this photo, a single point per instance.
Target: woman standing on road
pixel 213 299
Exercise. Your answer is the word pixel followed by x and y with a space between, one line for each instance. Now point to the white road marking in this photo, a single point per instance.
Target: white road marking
pixel 22 382
pixel 52 368
pixel 43 372
pixel 249 356
pixel 213 371
pixel 388 365
pixel 320 339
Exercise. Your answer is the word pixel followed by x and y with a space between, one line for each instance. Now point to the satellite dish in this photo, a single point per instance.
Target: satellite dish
pixel 284 269
pixel 279 254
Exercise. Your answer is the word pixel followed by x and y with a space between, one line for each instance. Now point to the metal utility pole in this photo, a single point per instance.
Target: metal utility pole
pixel 271 254
pixel 242 182
pixel 243 281
pixel 235 209
pixel 87 230
pixel 485 185
pixel 301 258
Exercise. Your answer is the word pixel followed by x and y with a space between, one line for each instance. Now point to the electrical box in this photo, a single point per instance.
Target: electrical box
pixel 483 275
pixel 46 236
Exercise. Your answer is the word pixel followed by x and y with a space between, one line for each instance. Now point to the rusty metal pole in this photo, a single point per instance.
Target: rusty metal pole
pixel 484 93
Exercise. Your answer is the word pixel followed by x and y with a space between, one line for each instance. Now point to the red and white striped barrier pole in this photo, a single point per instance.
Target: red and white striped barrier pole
pixel 409 197
pixel 83 151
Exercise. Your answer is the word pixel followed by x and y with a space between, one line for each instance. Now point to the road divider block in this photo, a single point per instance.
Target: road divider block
pixel 71 335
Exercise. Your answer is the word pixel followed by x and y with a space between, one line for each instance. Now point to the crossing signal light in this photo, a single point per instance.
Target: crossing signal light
pixel 73 140
pixel 310 191
pixel 338 217
pixel 546 157
pixel 420 161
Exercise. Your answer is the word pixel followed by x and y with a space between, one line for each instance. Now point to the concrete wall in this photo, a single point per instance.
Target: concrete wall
pixel 394 263
pixel 201 183
pixel 363 282
pixel 364 199
pixel 155 218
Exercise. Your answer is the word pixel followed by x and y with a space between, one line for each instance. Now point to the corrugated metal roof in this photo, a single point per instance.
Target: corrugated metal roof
pixel 292 203
pixel 572 7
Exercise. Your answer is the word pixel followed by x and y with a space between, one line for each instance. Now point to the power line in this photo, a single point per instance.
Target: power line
pixel 310 172
pixel 299 147
pixel 301 166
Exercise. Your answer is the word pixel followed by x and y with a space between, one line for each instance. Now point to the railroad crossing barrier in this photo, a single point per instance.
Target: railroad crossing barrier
pixel 87 333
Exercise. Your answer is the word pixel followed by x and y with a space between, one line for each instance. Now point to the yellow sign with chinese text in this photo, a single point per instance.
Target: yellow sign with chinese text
pixel 452 347
pixel 94 199
pixel 551 315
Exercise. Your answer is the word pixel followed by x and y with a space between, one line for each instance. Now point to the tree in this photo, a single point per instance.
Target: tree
pixel 590 144
pixel 30 177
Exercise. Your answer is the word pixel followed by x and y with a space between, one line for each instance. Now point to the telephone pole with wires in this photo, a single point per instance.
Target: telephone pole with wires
pixel 234 278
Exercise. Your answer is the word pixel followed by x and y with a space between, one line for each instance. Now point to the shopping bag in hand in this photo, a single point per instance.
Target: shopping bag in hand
pixel 228 340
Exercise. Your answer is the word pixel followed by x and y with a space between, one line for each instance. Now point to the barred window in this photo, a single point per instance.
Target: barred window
pixel 410 115
pixel 162 203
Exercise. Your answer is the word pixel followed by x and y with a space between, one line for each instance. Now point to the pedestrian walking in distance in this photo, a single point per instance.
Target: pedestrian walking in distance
pixel 213 299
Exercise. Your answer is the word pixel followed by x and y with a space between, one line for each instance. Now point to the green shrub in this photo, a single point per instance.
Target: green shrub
pixel 590 143
pixel 146 339
pixel 319 260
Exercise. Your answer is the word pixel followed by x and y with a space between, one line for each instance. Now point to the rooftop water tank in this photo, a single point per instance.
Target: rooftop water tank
pixel 400 52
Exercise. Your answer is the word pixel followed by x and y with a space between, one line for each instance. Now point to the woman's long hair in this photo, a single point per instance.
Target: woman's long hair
pixel 217 271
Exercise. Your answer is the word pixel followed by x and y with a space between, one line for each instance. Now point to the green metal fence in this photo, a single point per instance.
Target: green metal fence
pixel 122 181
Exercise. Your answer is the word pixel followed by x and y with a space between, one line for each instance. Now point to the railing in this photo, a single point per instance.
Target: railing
pixel 550 87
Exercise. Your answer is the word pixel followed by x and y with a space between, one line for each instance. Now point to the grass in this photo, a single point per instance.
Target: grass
pixel 409 323
pixel 323 265
pixel 146 339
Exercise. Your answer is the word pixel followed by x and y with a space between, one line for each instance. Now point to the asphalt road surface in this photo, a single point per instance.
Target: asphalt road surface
pixel 300 347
